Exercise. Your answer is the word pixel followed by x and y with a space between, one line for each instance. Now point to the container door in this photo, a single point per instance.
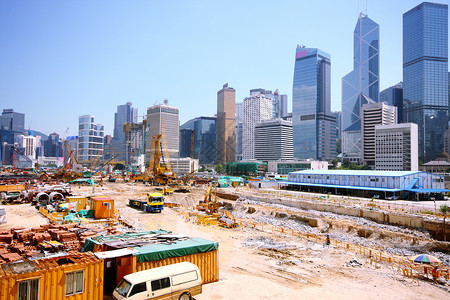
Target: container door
pixel 110 271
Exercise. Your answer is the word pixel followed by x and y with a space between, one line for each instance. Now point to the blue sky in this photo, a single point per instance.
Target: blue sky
pixel 63 59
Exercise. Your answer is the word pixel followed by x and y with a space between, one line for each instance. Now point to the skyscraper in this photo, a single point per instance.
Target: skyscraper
pixel 425 75
pixel 257 108
pixel 125 114
pixel 360 86
pixel 226 125
pixel 314 127
pixel 279 101
pixel 239 124
pixel 170 116
pixel 394 96
pixel 273 140
pixel 90 138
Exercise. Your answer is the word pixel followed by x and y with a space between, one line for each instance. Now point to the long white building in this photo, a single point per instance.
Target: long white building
pixel 397 147
pixel 256 109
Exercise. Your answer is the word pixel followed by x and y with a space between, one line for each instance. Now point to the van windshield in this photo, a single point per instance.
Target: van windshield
pixel 123 288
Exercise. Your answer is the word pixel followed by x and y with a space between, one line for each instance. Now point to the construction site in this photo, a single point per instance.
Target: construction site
pixel 78 232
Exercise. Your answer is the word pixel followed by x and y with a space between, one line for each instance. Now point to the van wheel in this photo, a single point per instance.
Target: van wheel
pixel 185 296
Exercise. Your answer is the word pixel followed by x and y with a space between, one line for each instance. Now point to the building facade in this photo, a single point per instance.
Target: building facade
pixel 396 147
pixel 373 114
pixel 205 149
pixel 425 75
pixel 273 140
pixel 239 121
pixel 394 96
pixel 226 125
pixel 360 86
pixel 126 114
pixel 279 101
pixel 314 127
pixel 286 167
pixel 161 118
pixel 52 146
pixel 256 109
pixel 90 139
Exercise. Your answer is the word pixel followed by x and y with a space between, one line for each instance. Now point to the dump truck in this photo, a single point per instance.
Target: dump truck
pixel 154 203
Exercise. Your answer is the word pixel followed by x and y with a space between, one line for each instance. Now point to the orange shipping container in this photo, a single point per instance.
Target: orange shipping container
pixel 103 207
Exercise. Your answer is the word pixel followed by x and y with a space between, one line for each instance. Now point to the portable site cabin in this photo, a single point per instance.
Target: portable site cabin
pixel 103 207
pixel 152 250
pixel 75 276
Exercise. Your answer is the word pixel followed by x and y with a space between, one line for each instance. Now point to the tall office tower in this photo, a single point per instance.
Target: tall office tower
pixel 205 139
pixel 373 114
pixel 425 75
pixel 125 114
pixel 90 139
pixel 360 86
pixel 186 131
pixel 12 124
pixel 52 146
pixel 314 127
pixel 239 121
pixel 283 106
pixel 256 109
pixel 396 147
pixel 226 124
pixel 169 116
pixel 279 101
pixel 394 96
pixel 273 140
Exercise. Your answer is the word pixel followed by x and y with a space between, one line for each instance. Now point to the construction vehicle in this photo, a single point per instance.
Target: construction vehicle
pixel 208 204
pixel 154 203
pixel 165 190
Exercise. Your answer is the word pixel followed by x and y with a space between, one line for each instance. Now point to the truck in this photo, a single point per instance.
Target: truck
pixel 153 203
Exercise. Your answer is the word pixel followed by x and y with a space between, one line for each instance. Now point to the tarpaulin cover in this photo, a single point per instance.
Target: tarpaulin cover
pixel 99 240
pixel 80 180
pixel 176 249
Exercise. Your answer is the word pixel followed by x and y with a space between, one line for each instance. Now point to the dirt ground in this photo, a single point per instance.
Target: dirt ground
pixel 261 265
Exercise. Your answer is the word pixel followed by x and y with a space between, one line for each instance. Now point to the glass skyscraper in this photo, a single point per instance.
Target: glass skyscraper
pixel 314 127
pixel 425 75
pixel 361 85
pixel 125 114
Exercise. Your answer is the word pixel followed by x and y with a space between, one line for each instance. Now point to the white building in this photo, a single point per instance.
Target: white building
pixel 90 139
pixel 274 140
pixel 397 147
pixel 256 109
pixel 183 166
pixel 285 167
pixel 373 114
pixel 46 161
pixel 169 116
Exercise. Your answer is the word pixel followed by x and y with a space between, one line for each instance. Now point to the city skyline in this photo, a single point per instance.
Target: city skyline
pixel 101 55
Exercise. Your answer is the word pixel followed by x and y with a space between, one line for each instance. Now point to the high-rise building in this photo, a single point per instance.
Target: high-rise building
pixel 314 127
pixel 394 96
pixel 373 114
pixel 425 75
pixel 360 86
pixel 167 117
pixel 52 146
pixel 273 140
pixel 239 125
pixel 12 124
pixel 396 147
pixel 90 139
pixel 205 140
pixel 126 114
pixel 226 125
pixel 279 101
pixel 257 108
pixel 186 131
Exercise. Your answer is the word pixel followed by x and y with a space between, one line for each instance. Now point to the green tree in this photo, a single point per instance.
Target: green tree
pixel 220 169
pixel 119 167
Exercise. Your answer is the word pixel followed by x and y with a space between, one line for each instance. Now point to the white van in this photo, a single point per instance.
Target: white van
pixel 178 281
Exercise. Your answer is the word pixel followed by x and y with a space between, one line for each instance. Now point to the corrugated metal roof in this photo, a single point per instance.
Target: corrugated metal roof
pixel 357 172
pixel 349 187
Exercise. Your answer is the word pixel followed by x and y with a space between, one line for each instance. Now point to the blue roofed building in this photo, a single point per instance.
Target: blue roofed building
pixel 369 184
